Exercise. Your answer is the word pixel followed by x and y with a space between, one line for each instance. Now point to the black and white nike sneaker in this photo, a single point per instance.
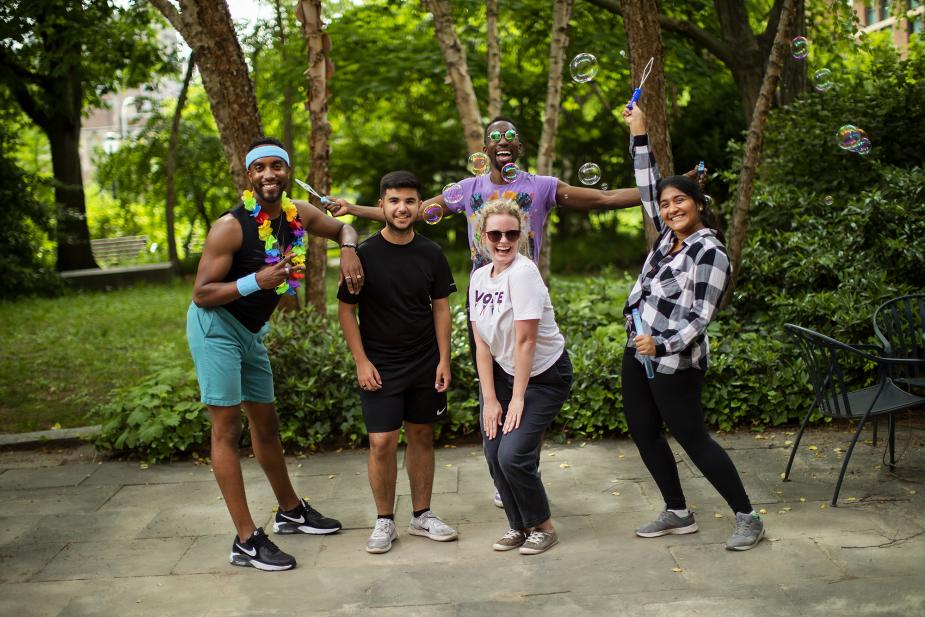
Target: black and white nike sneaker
pixel 304 519
pixel 260 552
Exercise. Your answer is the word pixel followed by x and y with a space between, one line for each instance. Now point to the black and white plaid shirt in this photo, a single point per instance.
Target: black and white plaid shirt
pixel 676 293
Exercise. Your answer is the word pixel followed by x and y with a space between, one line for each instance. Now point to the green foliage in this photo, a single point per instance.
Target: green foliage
pixel 156 418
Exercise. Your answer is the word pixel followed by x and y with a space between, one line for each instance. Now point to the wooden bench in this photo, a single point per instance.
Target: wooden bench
pixel 113 251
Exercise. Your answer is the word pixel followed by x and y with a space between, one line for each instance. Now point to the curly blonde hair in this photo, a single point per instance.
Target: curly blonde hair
pixel 502 206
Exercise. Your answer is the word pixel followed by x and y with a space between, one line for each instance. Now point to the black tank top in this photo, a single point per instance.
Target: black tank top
pixel 254 310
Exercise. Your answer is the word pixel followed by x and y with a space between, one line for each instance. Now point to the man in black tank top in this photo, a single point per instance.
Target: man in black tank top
pixel 252 256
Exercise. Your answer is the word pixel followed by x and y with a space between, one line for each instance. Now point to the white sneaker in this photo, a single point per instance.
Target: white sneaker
pixel 497 500
pixel 431 526
pixel 384 533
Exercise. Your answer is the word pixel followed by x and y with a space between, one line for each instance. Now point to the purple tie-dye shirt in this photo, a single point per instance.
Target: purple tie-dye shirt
pixel 536 195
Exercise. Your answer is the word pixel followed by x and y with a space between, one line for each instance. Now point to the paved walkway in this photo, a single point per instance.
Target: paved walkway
pixel 83 537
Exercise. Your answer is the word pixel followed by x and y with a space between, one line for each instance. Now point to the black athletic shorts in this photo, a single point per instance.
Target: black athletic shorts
pixel 407 394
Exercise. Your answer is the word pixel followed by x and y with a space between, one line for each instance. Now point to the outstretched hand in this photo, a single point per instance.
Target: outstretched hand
pixel 337 206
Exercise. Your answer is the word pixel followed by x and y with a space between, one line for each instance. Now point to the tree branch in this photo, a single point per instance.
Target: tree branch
pixel 766 38
pixel 27 102
pixel 170 13
pixel 686 29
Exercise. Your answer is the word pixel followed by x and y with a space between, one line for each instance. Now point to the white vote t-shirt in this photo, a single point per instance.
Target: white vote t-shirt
pixel 518 293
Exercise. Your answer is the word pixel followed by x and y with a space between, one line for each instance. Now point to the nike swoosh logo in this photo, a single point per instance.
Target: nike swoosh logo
pixel 440 413
pixel 299 520
pixel 252 552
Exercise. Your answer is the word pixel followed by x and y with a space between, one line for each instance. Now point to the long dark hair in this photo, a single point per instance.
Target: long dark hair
pixel 692 189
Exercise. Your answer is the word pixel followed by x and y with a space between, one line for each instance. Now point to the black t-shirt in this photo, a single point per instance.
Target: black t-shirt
pixel 254 310
pixel 395 310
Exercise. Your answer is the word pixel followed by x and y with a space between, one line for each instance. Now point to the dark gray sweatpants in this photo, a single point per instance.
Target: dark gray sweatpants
pixel 514 459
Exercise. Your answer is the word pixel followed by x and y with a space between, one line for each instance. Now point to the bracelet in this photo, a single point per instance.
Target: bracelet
pixel 247 284
pixel 348 245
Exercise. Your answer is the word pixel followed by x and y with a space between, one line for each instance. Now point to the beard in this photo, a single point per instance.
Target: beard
pixel 263 196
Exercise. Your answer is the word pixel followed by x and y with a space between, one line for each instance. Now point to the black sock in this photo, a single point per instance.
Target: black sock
pixel 418 513
pixel 391 517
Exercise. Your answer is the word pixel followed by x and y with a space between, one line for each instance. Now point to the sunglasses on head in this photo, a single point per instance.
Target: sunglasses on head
pixel 509 135
pixel 495 236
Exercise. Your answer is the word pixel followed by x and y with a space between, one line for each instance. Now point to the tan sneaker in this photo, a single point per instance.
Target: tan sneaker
pixel 511 540
pixel 539 542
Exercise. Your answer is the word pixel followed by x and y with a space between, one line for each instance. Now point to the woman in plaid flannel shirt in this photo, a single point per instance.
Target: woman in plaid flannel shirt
pixel 677 293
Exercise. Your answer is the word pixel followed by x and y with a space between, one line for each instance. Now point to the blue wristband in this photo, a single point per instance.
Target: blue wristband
pixel 247 284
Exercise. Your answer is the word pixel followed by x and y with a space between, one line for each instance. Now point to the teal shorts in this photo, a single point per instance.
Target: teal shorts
pixel 232 364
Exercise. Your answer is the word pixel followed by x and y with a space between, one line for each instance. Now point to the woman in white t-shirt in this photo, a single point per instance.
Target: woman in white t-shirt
pixel 524 372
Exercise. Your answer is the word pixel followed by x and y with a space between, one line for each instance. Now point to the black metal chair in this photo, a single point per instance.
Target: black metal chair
pixel 900 327
pixel 825 360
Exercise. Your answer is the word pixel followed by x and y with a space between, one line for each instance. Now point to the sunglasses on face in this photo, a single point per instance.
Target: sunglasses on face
pixel 509 135
pixel 495 236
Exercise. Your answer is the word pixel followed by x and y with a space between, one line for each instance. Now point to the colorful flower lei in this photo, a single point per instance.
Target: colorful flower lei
pixel 271 245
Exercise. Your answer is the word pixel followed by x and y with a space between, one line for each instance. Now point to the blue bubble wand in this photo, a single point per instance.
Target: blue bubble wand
pixel 638 91
pixel 308 187
pixel 701 172
pixel 641 329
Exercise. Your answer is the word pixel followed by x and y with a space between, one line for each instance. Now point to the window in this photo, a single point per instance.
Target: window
pixel 870 15
pixel 884 9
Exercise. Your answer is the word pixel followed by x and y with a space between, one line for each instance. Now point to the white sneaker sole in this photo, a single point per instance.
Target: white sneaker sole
pixel 678 531
pixel 527 550
pixel 505 547
pixel 414 531
pixel 253 563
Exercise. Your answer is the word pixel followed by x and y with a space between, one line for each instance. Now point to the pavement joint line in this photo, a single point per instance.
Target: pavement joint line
pixel 108 499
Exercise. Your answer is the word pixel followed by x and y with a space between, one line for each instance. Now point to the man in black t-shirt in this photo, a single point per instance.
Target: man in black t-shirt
pixel 402 351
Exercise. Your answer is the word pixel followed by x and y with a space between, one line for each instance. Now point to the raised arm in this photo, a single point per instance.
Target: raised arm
pixel 340 207
pixel 644 165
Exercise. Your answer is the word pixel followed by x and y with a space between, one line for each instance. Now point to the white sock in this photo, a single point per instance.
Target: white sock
pixel 681 513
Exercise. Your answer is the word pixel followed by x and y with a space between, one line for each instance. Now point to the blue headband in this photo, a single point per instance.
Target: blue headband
pixel 261 151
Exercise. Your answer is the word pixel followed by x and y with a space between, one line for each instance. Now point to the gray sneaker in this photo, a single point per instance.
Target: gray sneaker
pixel 511 540
pixel 431 526
pixel 668 523
pixel 497 500
pixel 384 533
pixel 748 533
pixel 539 542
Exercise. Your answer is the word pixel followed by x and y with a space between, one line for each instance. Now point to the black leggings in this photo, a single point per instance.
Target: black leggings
pixel 674 400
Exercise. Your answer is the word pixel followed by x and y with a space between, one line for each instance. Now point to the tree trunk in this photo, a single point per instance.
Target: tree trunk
pixel 454 56
pixel 558 43
pixel 206 27
pixel 793 80
pixel 288 95
pixel 754 141
pixel 494 59
pixel 644 38
pixel 320 68
pixel 73 234
pixel 171 164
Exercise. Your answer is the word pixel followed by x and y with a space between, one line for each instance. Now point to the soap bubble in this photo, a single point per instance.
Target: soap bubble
pixel 862 147
pixel 479 164
pixel 583 67
pixel 848 136
pixel 509 172
pixel 452 193
pixel 623 53
pixel 822 80
pixel 707 200
pixel 799 48
pixel 433 214
pixel 604 187
pixel 589 174
pixel 828 200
